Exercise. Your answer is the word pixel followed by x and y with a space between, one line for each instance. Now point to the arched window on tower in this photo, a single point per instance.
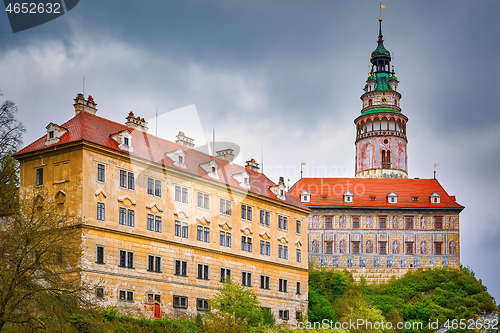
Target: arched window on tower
pixel 383 159
pixel 370 102
pixel 388 159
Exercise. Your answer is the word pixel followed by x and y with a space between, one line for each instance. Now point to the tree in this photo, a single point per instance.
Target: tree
pixel 11 131
pixel 39 252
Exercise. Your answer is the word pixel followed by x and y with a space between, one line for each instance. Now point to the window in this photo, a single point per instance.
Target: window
pixel 282 222
pixel 283 314
pixel 99 254
pixel 409 248
pixel 225 206
pixel 381 222
pixel 246 212
pixel 100 172
pixel 178 228
pixel 298 315
pixel 158 223
pixel 131 218
pixel 125 141
pixel 151 297
pixel 373 198
pixel 409 223
pixel 123 178
pixel 199 234
pixel 328 247
pixel 298 288
pixel 181 267
pixel 265 282
pixel 355 222
pixel 299 255
pixel 100 211
pixel 414 198
pixel 265 218
pixel 181 194
pixel 438 222
pixel 285 252
pixel 39 177
pixel 225 238
pixel 154 263
pixel 265 248
pixel 126 259
pixel 355 247
pixel 202 304
pixel 437 248
pixel 180 302
pixel 99 292
pixel 282 251
pixel 151 222
pixel 131 182
pixel 203 273
pixel 206 235
pixel 181 159
pixel 297 227
pixel 51 134
pixel 283 285
pixel 246 279
pixel 151 184
pixel 157 188
pixel 328 223
pixel 246 243
pixel 225 274
pixel 203 200
pixel 124 295
pixel 184 230
pixel 122 216
pixel 383 248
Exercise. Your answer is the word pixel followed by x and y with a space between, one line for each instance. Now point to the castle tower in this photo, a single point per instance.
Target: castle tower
pixel 381 128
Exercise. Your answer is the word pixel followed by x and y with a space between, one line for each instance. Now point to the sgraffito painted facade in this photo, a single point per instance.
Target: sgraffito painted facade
pixel 164 224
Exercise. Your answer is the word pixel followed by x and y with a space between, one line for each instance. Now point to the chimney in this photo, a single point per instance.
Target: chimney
pixel 226 154
pixel 282 181
pixel 81 104
pixel 252 165
pixel 136 122
pixel 183 140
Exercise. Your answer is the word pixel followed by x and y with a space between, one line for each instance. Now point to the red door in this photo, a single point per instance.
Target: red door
pixel 157 311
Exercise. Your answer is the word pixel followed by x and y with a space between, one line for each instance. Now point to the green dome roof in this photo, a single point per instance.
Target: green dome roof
pixel 382 81
pixel 381 51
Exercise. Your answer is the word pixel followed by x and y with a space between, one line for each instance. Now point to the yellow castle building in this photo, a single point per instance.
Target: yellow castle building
pixel 165 224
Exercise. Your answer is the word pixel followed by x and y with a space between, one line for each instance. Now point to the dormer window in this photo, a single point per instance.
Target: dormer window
pixel 54 133
pixel 282 192
pixel 242 178
pixel 348 196
pixel 177 157
pixel 279 190
pixel 210 168
pixel 414 198
pixel 373 198
pixel 305 196
pixel 124 140
pixel 181 160
pixel 392 197
pixel 245 180
pixel 213 169
pixel 435 198
pixel 51 134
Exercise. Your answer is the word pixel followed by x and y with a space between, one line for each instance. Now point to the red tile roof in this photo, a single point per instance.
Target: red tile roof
pixel 91 128
pixel 333 189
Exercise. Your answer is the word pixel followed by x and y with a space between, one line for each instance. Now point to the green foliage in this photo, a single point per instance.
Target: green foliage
pixel 268 317
pixel 198 321
pixel 319 308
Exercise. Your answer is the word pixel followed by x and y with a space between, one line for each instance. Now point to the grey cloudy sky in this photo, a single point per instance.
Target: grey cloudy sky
pixel 285 75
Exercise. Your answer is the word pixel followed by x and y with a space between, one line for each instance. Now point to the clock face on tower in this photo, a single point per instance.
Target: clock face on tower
pixel 383 100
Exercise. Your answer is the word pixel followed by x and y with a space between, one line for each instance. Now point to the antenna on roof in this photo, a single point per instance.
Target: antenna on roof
pixel 156 121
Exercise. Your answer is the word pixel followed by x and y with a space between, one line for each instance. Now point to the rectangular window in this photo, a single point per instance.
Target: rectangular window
pixel 39 177
pixel 200 200
pixel 202 304
pixel 184 230
pixel 225 238
pixel 265 248
pixel 409 223
pixel 206 235
pixel 100 172
pixel 355 247
pixel 99 255
pixel 328 247
pixel 158 188
pixel 249 213
pixel 131 218
pixel 383 248
pixel 99 292
pixel 180 267
pixel 154 263
pixel 265 218
pixel 131 182
pixel 178 193
pixel 285 223
pixel 184 195
pixel 199 234
pixel 124 295
pixel 178 228
pixel 280 222
pixel 298 227
pixel 222 206
pixel 283 285
pixel 298 288
pixel 122 216
pixel 243 212
pixel 299 257
pixel 126 259
pixel 381 222
pixel 437 249
pixel 246 243
pixel 285 252
pixel 225 274
pixel 123 178
pixel 203 272
pixel 206 201
pixel 100 211
pixel 409 248
pixel 283 314
pixel 158 223
pixel 268 249
pixel 328 223
pixel 180 302
pixel 151 184
pixel 246 279
pixel 150 222
pixel 438 221
pixel 355 222
pixel 265 282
